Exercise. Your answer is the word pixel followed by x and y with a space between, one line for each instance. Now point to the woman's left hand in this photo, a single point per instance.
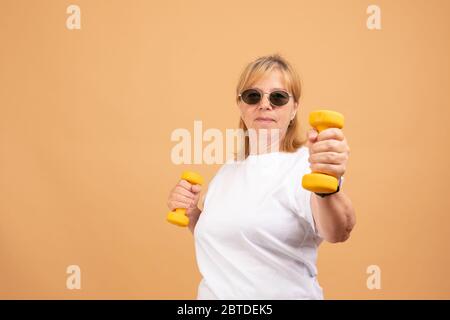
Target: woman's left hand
pixel 328 151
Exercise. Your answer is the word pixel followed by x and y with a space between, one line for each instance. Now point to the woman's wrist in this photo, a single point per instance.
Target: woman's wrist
pixel 193 218
pixel 339 187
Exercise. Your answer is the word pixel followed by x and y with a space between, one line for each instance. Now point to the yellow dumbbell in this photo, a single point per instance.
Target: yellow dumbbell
pixel 178 217
pixel 316 181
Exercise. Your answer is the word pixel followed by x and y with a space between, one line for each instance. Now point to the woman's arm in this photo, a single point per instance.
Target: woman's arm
pixel 195 213
pixel 334 216
pixel 193 218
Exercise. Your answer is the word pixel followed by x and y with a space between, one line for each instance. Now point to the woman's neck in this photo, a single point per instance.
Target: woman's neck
pixel 262 144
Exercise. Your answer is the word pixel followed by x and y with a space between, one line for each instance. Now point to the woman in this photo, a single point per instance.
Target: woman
pixel 259 231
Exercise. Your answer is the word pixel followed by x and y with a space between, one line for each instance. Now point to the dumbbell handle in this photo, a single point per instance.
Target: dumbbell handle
pixel 178 217
pixel 316 181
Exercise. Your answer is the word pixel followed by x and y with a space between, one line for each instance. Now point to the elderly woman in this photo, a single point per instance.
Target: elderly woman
pixel 259 231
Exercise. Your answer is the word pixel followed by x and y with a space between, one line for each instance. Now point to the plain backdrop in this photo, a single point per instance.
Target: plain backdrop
pixel 86 118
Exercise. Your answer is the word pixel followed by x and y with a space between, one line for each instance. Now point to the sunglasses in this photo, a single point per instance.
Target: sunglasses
pixel 277 98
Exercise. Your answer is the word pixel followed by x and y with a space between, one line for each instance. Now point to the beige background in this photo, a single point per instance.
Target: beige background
pixel 86 117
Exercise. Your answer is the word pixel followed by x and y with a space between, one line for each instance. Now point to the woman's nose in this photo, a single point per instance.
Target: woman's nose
pixel 265 103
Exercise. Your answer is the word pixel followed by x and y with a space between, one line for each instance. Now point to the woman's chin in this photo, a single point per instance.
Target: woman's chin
pixel 265 128
pixel 268 130
pixel 265 124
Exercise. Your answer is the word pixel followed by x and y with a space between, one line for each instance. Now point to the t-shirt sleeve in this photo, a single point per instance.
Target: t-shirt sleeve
pixel 211 186
pixel 303 208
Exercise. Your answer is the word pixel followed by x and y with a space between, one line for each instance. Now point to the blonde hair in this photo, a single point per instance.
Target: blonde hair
pixel 256 70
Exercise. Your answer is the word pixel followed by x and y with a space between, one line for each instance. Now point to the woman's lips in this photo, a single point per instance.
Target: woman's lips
pixel 265 120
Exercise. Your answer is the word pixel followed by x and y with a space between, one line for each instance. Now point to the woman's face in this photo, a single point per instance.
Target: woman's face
pixel 263 115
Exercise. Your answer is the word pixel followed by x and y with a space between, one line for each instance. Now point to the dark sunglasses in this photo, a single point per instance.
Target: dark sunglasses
pixel 277 98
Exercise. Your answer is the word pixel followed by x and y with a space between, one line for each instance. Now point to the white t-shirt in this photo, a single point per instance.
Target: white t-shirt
pixel 256 238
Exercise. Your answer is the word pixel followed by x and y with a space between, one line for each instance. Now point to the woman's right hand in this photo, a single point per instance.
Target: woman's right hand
pixel 185 195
